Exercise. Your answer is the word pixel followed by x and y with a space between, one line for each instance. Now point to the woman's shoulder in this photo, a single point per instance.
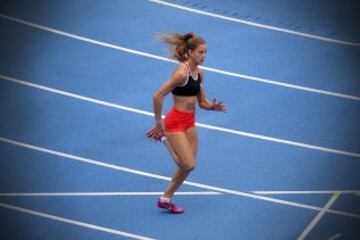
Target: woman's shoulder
pixel 181 69
pixel 179 75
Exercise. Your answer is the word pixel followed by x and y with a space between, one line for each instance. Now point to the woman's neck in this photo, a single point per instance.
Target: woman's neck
pixel 192 65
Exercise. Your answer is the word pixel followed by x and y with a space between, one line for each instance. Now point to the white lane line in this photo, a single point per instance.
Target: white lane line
pixel 74 222
pixel 210 69
pixel 318 217
pixel 336 236
pixel 269 27
pixel 156 176
pixel 206 126
pixel 76 96
pixel 281 84
pixel 356 192
pixel 73 194
pixel 278 140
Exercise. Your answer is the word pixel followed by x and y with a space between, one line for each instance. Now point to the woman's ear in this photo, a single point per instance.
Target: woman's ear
pixel 190 52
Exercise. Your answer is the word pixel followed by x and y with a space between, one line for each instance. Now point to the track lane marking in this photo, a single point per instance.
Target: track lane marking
pixel 160 177
pixel 210 69
pixel 201 125
pixel 254 24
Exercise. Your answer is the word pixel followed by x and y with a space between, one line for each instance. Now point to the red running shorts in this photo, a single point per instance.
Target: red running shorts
pixel 178 121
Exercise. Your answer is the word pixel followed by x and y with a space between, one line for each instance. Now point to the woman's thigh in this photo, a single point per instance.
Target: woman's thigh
pixel 192 137
pixel 182 146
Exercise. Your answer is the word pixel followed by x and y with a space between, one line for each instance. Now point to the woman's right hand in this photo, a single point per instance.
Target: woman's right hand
pixel 155 132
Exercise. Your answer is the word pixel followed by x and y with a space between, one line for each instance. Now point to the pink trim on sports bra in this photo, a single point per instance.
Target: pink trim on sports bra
pixel 189 72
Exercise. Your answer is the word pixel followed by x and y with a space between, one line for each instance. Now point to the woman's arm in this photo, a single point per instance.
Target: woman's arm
pixel 177 78
pixel 204 103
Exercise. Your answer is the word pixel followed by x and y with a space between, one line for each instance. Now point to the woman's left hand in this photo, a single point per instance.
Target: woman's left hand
pixel 218 106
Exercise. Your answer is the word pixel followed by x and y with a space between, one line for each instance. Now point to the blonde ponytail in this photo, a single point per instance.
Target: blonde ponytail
pixel 180 44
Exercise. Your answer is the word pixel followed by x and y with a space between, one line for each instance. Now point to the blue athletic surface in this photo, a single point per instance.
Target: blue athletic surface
pixel 76 87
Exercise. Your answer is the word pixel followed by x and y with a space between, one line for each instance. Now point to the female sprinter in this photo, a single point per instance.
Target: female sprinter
pixel 187 87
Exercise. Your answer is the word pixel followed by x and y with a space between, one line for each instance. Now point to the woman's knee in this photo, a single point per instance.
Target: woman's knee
pixel 187 167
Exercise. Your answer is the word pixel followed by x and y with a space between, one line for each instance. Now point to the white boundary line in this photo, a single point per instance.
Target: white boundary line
pixel 318 217
pixel 74 222
pixel 336 236
pixel 269 27
pixel 76 96
pixel 156 176
pixel 215 128
pixel 356 192
pixel 74 194
pixel 144 54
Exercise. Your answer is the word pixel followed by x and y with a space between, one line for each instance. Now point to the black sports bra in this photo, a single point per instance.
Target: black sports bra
pixel 191 87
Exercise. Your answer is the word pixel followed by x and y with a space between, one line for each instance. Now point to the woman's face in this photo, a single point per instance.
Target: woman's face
pixel 199 54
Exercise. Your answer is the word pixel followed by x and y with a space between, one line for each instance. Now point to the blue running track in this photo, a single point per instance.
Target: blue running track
pixel 76 86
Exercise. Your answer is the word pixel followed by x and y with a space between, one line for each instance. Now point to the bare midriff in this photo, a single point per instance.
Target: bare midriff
pixel 185 104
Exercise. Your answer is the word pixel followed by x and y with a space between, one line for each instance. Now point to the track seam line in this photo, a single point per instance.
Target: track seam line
pixel 254 24
pixel 313 223
pixel 74 222
pixel 160 177
pixel 201 125
pixel 210 69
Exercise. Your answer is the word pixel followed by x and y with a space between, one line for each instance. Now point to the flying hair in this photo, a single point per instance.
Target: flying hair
pixel 180 44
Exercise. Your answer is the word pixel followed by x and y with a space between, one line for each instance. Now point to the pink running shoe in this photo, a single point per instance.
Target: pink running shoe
pixel 171 207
